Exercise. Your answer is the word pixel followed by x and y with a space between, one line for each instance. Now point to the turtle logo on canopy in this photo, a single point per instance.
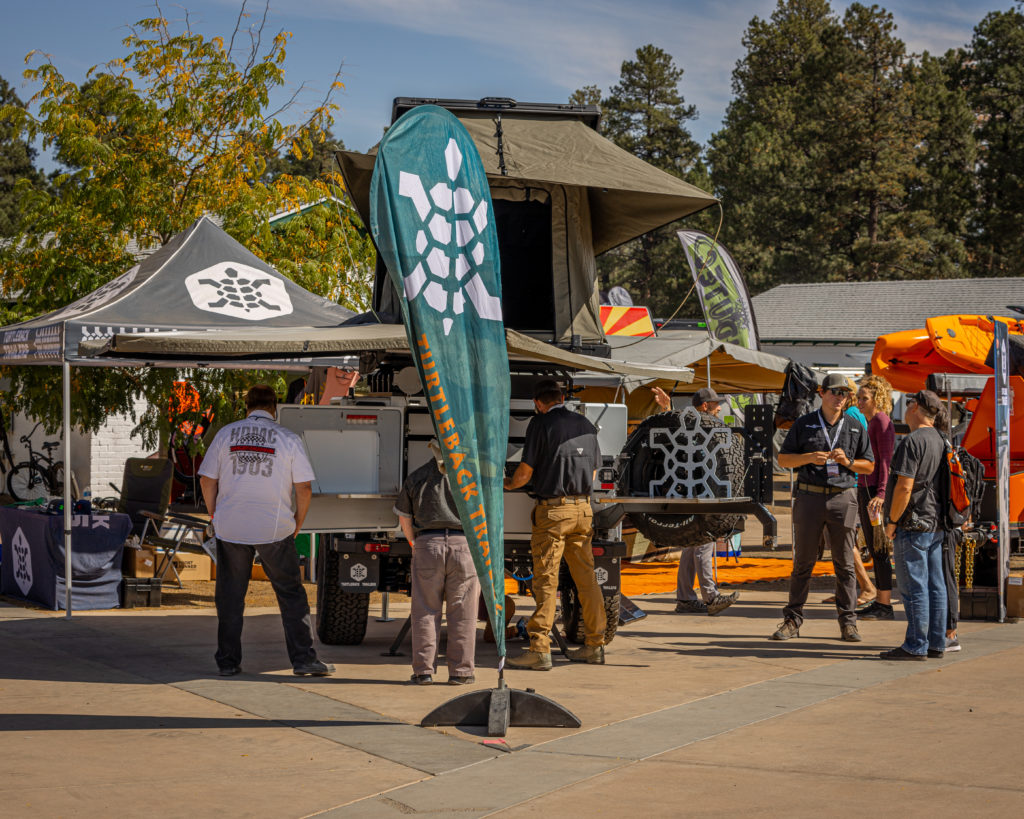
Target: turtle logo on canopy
pixel 446 214
pixel 238 290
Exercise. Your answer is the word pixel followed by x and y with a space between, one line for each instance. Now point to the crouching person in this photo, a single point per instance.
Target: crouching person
pixel 442 574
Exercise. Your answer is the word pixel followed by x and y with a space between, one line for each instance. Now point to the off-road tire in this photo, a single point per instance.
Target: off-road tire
pixel 341 616
pixel 644 464
pixel 572 614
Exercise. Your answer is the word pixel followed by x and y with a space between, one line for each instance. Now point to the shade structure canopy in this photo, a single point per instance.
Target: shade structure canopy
pixel 238 345
pixel 200 279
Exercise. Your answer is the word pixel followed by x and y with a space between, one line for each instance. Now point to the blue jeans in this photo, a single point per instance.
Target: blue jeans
pixel 918 557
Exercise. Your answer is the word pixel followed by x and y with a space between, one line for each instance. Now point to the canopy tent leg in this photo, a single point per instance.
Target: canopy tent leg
pixel 66 424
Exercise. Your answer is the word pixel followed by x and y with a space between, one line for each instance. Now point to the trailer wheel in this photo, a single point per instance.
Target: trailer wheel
pixel 341 616
pixel 572 614
pixel 646 464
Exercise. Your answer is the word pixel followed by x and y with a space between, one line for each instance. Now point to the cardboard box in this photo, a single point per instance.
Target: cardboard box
pixel 138 562
pixel 1015 596
pixel 190 566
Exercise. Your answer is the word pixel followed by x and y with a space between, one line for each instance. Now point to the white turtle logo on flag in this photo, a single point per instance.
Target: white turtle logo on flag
pixel 240 291
pixel 444 213
pixel 22 561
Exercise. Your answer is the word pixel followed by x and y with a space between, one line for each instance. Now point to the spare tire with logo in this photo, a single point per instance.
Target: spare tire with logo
pixel 644 464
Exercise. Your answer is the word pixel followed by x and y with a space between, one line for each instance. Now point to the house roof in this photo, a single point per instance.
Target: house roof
pixel 861 311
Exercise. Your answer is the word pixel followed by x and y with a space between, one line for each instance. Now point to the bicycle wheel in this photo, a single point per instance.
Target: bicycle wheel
pixel 27 482
pixel 57 481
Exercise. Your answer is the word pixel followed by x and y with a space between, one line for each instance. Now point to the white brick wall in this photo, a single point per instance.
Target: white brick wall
pixel 111 446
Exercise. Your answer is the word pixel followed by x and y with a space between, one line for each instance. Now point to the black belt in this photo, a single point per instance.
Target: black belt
pixel 815 489
pixel 444 532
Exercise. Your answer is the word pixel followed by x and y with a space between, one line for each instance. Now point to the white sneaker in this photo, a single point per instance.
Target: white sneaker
pixel 952 644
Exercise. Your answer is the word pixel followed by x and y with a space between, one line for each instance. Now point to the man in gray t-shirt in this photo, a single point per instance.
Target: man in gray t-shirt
pixel 442 574
pixel 913 516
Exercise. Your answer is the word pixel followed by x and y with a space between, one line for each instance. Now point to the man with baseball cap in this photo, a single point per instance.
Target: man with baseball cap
pixel 560 458
pixel 697 561
pixel 829 450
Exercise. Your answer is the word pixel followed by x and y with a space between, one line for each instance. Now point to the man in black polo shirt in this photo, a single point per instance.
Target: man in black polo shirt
pixel 829 449
pixel 561 455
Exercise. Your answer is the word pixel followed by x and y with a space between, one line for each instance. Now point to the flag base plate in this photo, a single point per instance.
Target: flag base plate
pixel 500 708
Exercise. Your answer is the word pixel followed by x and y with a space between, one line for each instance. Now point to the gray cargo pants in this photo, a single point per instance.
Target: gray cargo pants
pixel 696 561
pixel 443 574
pixel 812 514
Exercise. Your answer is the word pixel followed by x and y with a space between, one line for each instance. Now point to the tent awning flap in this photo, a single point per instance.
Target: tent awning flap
pixel 280 342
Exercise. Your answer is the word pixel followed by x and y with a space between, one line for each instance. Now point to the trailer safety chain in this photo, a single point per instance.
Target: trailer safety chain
pixel 972 548
pixel 957 555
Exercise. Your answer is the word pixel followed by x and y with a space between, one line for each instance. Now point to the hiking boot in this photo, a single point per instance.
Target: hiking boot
pixel 314 668
pixel 594 655
pixel 469 678
pixel 877 611
pixel 900 653
pixel 849 634
pixel 530 661
pixel 786 630
pixel 722 602
pixel 691 607
pixel 421 679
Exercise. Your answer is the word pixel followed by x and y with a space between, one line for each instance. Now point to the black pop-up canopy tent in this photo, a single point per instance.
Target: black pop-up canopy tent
pixel 200 281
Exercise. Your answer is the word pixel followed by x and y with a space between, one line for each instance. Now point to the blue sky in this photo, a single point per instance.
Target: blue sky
pixel 531 50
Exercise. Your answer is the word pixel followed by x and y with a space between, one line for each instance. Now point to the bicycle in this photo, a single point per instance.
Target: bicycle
pixel 40 476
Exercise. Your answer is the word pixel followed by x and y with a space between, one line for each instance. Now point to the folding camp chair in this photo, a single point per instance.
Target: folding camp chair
pixel 145 497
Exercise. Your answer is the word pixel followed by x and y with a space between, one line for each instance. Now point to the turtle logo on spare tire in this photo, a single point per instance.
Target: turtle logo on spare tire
pixel 685 454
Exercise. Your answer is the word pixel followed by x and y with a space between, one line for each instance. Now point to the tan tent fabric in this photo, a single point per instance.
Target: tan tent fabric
pixel 233 345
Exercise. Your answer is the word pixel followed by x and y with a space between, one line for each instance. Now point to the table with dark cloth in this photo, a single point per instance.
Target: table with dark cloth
pixel 33 557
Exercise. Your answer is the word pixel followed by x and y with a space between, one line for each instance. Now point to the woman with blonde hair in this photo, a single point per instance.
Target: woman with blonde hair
pixel 874 399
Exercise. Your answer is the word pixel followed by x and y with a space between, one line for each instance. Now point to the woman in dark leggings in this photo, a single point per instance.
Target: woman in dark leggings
pixel 874 399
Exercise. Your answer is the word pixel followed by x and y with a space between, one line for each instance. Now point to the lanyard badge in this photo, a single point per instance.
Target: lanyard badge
pixel 831 467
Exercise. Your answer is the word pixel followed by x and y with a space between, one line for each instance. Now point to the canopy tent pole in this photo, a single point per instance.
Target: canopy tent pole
pixel 67 486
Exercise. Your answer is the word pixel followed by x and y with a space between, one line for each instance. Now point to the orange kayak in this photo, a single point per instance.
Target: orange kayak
pixel 964 341
pixel 906 359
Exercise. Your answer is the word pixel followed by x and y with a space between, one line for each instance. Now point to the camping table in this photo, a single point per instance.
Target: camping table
pixel 33 557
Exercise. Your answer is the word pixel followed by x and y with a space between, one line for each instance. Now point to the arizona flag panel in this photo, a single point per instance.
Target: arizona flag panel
pixel 626 321
pixel 433 222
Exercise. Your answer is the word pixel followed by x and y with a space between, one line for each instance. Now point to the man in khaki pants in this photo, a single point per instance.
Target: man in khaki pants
pixel 561 457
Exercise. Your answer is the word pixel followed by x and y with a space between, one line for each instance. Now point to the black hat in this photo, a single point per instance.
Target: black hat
pixel 927 401
pixel 546 387
pixel 836 381
pixel 705 395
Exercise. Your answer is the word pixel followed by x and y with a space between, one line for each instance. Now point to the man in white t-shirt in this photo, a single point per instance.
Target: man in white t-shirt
pixel 248 477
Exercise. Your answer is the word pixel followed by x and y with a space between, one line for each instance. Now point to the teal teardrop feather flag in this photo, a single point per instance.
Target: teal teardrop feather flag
pixel 433 222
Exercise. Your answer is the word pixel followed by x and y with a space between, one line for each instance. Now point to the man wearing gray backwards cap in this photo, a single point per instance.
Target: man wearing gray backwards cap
pixel 829 450
pixel 697 561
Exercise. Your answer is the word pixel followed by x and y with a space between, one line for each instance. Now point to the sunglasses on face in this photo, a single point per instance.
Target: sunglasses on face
pixel 837 391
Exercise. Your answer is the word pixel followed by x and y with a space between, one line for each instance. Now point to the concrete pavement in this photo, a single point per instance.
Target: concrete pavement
pixel 118 712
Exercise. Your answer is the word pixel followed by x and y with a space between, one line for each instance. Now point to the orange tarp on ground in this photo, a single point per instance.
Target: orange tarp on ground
pixel 658 578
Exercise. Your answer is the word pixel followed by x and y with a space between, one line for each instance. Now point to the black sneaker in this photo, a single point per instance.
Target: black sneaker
pixel 935 654
pixel 421 679
pixel 691 607
pixel 315 668
pixel 461 680
pixel 900 653
pixel 230 670
pixel 786 630
pixel 722 602
pixel 877 611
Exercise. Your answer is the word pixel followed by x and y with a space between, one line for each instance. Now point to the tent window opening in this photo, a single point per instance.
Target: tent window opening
pixel 527 275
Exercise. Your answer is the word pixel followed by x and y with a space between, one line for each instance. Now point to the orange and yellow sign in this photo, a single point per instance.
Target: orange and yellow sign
pixel 626 321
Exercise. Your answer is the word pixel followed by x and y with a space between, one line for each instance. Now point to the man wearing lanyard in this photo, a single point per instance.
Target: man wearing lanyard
pixel 829 451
